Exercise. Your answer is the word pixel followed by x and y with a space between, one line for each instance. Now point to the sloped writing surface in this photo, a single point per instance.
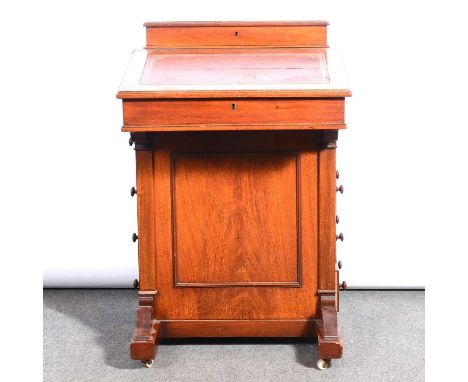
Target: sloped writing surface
pixel 215 73
pixel 245 68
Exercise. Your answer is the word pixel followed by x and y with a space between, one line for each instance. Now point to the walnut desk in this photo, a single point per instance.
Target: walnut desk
pixel 234 126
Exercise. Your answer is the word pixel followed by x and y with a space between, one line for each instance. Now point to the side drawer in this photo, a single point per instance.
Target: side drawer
pixel 253 114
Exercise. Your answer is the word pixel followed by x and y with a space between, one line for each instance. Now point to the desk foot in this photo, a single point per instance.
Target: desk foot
pixel 146 335
pixel 330 344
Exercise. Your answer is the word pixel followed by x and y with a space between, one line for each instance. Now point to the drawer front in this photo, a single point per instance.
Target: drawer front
pixel 234 36
pixel 295 113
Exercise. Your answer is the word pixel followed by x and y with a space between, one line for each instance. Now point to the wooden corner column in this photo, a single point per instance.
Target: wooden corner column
pixel 328 334
pixel 147 328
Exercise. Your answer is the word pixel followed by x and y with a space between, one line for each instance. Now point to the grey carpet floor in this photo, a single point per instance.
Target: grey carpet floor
pixel 87 333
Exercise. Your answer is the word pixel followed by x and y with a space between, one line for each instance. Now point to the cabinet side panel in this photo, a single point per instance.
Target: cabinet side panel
pixel 235 302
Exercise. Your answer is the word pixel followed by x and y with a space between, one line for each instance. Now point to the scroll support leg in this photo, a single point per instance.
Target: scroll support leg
pixel 330 344
pixel 146 335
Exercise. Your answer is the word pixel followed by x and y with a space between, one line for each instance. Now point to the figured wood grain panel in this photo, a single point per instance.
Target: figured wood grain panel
pixel 236 219
pixel 236 36
pixel 236 302
pixel 233 111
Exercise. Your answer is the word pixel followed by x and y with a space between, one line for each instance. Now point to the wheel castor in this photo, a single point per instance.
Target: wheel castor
pixel 323 364
pixel 147 363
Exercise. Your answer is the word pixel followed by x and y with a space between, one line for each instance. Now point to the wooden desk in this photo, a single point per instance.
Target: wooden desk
pixel 235 128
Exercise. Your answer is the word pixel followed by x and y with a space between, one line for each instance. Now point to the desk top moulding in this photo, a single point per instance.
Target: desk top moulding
pixel 235 127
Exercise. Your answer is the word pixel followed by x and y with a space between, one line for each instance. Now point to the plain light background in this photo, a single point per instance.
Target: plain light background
pixel 77 167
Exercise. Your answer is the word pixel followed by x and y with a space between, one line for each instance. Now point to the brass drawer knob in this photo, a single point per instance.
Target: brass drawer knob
pixel 136 284
pixel 343 285
pixel 340 236
pixel 340 264
pixel 134 237
pixel 340 189
pixel 133 191
pixel 337 174
pixel 337 219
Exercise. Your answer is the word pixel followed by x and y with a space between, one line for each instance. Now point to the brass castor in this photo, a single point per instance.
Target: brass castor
pixel 323 364
pixel 148 363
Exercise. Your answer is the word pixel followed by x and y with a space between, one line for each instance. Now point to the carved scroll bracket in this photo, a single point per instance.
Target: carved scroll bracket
pixel 328 332
pixel 328 139
pixel 142 141
pixel 146 334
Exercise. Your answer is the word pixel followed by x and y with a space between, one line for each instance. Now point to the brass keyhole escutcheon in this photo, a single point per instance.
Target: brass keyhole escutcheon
pixel 236 34
pixel 233 106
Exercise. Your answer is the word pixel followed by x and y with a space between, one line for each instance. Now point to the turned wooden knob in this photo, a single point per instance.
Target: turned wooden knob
pixel 343 285
pixel 133 191
pixel 340 189
pixel 134 237
pixel 130 141
pixel 338 237
pixel 340 264
pixel 337 174
pixel 136 284
pixel 337 219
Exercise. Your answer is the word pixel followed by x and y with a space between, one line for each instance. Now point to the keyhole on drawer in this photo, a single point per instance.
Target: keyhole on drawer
pixel 233 106
pixel 236 34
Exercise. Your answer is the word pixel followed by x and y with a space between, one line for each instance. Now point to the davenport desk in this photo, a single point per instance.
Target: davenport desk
pixel 234 126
